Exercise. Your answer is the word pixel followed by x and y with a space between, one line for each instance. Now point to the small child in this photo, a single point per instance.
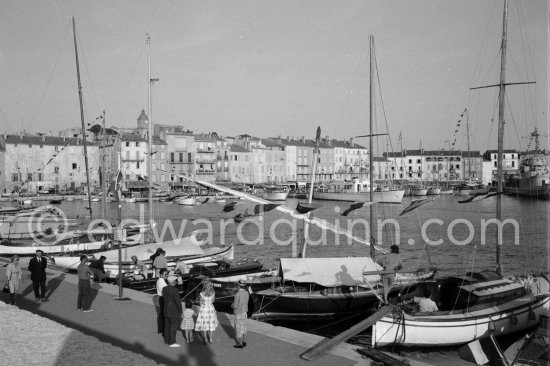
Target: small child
pixel 187 323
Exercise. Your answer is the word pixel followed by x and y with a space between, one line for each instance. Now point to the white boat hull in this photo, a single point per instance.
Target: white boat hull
pixel 456 329
pixel 187 248
pixel 446 192
pixel 384 197
pixel 275 196
pixel 188 201
pixel 419 192
pixel 433 191
pixel 24 250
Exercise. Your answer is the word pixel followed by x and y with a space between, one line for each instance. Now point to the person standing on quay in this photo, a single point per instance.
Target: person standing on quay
pixel 161 283
pixel 240 309
pixel 98 268
pixel 160 261
pixel 13 273
pixel 37 267
pixel 392 263
pixel 84 273
pixel 172 313
pixel 207 320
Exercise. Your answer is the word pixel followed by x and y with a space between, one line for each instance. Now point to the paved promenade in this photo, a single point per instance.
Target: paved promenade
pixel 131 325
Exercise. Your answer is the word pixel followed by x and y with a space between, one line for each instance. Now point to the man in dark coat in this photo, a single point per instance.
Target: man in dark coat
pixel 172 313
pixel 37 267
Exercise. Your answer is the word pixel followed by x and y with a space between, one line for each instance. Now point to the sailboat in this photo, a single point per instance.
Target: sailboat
pixel 327 287
pixel 187 248
pixel 473 306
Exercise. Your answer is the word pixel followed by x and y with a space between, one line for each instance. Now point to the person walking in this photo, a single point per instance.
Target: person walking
pixel 13 273
pixel 161 283
pixel 84 273
pixel 172 313
pixel 37 267
pixel 240 309
pixel 207 320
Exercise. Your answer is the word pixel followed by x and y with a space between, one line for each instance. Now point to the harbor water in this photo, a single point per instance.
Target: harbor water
pixel 443 233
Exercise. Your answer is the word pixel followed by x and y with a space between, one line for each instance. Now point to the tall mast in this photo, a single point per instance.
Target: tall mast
pixel 468 141
pixel 150 135
pixel 103 169
pixel 82 121
pixel 312 182
pixel 371 119
pixel 501 101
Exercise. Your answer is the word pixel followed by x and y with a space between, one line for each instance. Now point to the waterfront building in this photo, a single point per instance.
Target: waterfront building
pixel 472 166
pixel 180 151
pixel 133 150
pixel 241 165
pixel 350 160
pixel 161 179
pixel 381 168
pixel 206 162
pixel 510 163
pixel 39 162
pixel 275 160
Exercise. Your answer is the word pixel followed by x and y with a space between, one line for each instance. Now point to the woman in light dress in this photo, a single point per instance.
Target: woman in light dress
pixel 13 274
pixel 207 320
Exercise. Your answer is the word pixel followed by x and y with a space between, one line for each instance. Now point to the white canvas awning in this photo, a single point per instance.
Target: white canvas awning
pixel 330 272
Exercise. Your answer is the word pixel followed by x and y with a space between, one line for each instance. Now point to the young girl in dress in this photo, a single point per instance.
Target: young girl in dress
pixel 187 323
pixel 207 320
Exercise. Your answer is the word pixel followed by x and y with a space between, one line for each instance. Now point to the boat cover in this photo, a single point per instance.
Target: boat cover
pixel 486 288
pixel 330 272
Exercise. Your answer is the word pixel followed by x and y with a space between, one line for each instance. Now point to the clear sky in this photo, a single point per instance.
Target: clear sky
pixel 271 68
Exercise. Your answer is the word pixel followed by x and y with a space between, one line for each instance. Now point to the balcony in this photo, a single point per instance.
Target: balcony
pixel 209 150
pixel 205 161
pixel 140 160
pixel 204 172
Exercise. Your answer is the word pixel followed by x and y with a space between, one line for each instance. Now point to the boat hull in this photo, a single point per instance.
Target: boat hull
pixel 433 191
pixel 275 196
pixel 395 196
pixel 427 329
pixel 419 191
pixel 29 250
pixel 188 201
pixel 536 192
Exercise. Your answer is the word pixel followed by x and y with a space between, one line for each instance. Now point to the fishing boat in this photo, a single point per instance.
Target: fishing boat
pixel 533 178
pixel 190 282
pixel 189 249
pixel 187 201
pixel 33 224
pixel 433 191
pixel 470 189
pixel 275 193
pixel 475 305
pixel 419 191
pixel 357 190
pixel 446 191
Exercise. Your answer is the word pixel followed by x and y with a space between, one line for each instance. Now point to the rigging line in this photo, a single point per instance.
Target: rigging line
pixel 120 102
pixel 518 137
pixel 83 57
pixel 350 89
pixel 382 102
pixel 484 43
pixel 527 51
pixel 62 45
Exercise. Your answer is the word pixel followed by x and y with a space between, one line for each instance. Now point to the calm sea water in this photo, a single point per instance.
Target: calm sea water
pixel 525 245
pixel 459 229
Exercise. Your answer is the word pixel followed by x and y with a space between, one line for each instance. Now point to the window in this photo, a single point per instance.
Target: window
pixel 417 161
pixel 29 176
pixel 56 170
pixel 137 143
pixel 189 158
pixel 14 177
pixel 74 166
pixel 458 166
pixel 137 164
pixel 495 164
pixel 410 161
pixel 30 145
pixel 181 157
pixel 513 164
pixel 127 143
pixel 172 157
pixel 40 176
